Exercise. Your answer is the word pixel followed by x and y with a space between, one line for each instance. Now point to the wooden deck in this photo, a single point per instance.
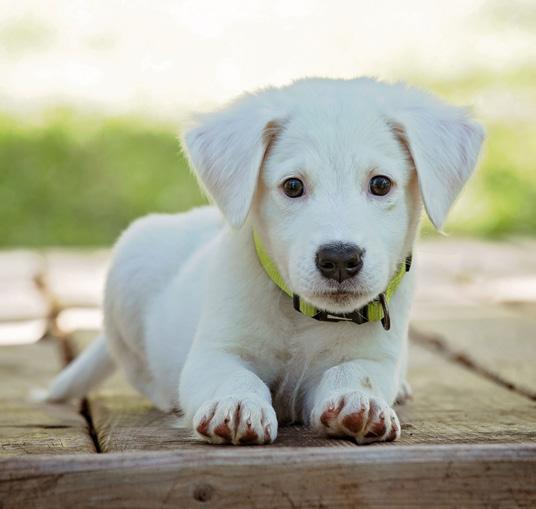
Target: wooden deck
pixel 468 436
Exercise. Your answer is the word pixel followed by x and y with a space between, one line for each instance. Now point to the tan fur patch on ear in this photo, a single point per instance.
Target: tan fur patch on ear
pixel 412 192
pixel 269 136
pixel 402 138
pixel 271 130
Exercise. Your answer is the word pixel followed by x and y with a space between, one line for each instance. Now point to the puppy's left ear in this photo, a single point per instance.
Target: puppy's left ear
pixel 226 150
pixel 443 143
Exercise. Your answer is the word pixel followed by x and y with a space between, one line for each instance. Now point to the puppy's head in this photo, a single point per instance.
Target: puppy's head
pixel 332 174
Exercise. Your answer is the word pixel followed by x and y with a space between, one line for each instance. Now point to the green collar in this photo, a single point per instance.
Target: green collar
pixel 375 311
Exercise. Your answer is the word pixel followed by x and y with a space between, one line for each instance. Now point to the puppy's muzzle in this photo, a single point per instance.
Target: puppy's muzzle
pixel 339 260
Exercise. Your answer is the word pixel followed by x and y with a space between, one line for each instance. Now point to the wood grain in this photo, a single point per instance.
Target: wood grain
pixel 27 427
pixel 503 346
pixel 393 476
pixel 126 421
pixel 451 405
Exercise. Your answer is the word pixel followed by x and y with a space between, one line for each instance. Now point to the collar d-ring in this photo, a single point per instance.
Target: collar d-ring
pixel 386 320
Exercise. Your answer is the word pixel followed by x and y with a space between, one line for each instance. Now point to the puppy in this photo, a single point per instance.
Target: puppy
pixel 289 300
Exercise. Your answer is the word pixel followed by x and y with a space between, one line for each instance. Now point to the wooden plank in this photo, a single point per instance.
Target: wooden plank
pixel 465 272
pixel 78 319
pixel 503 347
pixel 20 298
pixel 451 271
pixel 451 405
pixel 22 332
pixel 75 278
pixel 130 423
pixel 28 427
pixel 431 311
pixel 465 260
pixel 126 421
pixel 396 476
pixel 474 302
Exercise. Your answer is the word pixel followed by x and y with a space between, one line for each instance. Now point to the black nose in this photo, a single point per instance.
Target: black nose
pixel 339 261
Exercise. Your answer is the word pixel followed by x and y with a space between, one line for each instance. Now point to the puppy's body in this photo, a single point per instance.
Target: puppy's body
pixel 192 316
pixel 153 297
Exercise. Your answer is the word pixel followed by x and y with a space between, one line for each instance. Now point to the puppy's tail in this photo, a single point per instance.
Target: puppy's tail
pixel 89 369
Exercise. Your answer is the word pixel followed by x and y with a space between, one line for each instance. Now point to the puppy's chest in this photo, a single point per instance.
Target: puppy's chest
pixel 289 389
pixel 292 358
pixel 299 366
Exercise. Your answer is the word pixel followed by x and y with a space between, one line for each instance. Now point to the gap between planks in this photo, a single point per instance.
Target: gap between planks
pixel 67 352
pixel 68 356
pixel 436 343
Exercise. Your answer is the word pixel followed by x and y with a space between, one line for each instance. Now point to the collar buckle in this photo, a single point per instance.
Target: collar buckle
pixel 386 320
pixel 408 261
pixel 359 316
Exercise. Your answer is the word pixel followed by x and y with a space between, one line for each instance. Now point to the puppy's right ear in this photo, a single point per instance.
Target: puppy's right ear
pixel 226 150
pixel 443 144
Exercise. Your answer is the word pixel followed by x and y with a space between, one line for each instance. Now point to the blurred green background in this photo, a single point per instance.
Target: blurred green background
pixel 74 178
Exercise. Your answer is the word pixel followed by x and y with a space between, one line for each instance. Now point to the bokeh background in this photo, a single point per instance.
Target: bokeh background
pixel 93 93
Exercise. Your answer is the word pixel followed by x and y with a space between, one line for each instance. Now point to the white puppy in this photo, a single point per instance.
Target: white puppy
pixel 224 313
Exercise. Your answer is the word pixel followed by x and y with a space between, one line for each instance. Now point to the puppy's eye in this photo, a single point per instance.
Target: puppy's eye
pixel 293 187
pixel 380 185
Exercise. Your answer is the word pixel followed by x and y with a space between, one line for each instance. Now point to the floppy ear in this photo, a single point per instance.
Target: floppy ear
pixel 443 144
pixel 226 149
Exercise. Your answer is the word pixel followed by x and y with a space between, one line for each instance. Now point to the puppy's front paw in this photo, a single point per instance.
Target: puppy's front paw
pixel 356 415
pixel 236 420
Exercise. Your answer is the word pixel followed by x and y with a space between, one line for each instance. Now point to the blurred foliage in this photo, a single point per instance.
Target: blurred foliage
pixel 79 180
pixel 500 199
pixel 76 179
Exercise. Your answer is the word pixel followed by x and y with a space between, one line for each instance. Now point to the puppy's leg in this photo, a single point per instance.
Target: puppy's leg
pixel 225 401
pixel 353 399
pixel 404 393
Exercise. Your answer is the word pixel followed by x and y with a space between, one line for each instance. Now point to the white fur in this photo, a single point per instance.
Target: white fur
pixel 193 319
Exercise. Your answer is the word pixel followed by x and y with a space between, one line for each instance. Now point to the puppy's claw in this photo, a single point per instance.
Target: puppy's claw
pixel 223 431
pixel 267 434
pixel 246 421
pixel 364 418
pixel 331 413
pixel 202 427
